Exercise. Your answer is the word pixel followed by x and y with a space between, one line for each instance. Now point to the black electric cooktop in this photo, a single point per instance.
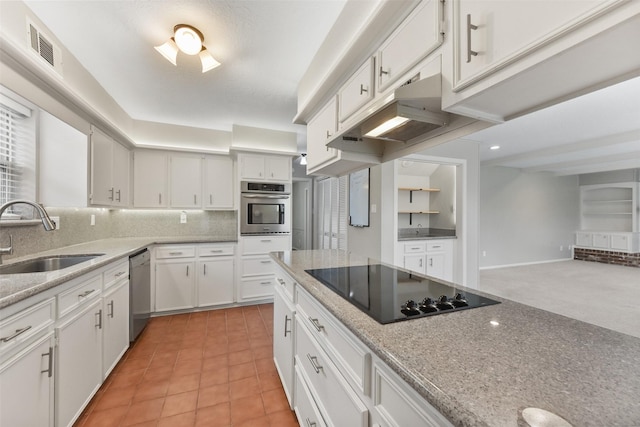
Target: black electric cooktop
pixel 391 295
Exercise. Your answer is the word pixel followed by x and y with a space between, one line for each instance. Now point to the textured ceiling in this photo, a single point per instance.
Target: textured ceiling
pixel 265 46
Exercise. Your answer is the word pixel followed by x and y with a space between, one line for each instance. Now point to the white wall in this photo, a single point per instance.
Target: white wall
pixel 366 241
pixel 526 217
pixel 443 201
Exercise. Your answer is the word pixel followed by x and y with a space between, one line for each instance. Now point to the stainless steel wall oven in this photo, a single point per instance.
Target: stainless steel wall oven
pixel 265 208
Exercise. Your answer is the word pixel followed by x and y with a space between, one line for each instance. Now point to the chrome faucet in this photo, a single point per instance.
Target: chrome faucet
pixel 47 222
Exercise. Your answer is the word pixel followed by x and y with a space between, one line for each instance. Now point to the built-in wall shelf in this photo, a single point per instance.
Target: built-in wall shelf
pixel 610 207
pixel 412 189
pixel 419 212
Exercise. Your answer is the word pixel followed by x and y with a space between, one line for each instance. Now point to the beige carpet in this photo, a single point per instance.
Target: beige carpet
pixel 601 294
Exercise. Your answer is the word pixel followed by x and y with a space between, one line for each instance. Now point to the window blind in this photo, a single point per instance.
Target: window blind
pixel 17 155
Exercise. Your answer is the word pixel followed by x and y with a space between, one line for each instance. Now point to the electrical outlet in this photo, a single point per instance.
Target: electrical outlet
pixel 56 219
pixel 484 253
pixel 183 218
pixel 93 219
pixel 374 208
pixel 561 248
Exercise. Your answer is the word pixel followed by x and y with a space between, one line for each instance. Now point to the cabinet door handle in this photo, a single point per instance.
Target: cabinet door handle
pixel 111 194
pixel 265 241
pixel 383 71
pixel 363 89
pixel 280 281
pixel 420 262
pixel 415 249
pixel 436 247
pixel 99 316
pixel 119 274
pixel 470 27
pixel 314 363
pixel 210 199
pixel 195 199
pixel 265 262
pixel 430 262
pixel 204 269
pixel 310 423
pixel 287 319
pixel 187 271
pixel 110 306
pixel 175 253
pixel 316 324
pixel 85 293
pixel 216 251
pixel 15 334
pixel 49 369
pixel 265 283
pixel 118 198
pixel 159 198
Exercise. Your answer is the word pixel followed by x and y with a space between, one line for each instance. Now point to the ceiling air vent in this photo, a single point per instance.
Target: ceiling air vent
pixel 42 46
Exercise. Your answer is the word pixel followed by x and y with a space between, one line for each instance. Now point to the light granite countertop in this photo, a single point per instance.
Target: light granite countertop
pixel 17 287
pixel 478 374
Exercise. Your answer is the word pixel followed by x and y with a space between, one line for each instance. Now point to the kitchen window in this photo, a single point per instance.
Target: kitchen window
pixel 17 153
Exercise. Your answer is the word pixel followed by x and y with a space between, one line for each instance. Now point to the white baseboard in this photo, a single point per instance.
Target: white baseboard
pixel 520 264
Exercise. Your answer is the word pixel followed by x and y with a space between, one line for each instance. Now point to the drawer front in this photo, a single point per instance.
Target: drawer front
pixel 164 252
pixel 399 405
pixel 264 244
pixel 439 245
pixel 25 324
pixel 215 250
pixel 584 239
pixel 306 410
pixel 327 384
pixel 414 248
pixel 257 288
pixel 113 275
pixel 601 241
pixel 258 266
pixel 621 242
pixel 352 360
pixel 285 282
pixel 79 295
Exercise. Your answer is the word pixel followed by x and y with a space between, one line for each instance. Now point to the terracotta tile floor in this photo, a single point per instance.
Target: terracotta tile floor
pixel 211 368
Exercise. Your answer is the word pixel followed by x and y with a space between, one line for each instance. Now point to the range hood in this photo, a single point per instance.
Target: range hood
pixel 409 115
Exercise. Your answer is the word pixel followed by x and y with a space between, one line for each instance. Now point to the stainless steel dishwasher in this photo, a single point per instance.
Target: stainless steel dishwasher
pixel 139 292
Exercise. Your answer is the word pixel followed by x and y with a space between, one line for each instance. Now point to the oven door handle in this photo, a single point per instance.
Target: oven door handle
pixel 263 196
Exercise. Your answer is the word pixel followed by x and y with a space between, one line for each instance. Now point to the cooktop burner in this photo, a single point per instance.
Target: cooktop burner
pixel 391 295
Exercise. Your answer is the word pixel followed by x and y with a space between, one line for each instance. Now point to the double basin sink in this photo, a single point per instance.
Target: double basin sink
pixel 45 264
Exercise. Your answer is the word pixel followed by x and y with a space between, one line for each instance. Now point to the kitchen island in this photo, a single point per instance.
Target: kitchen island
pixel 482 367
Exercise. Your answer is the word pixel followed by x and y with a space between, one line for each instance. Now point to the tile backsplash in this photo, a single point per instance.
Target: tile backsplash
pixel 75 227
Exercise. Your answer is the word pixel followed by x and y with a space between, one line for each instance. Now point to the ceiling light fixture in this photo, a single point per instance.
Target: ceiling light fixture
pixel 494 147
pixel 190 41
pixel 303 158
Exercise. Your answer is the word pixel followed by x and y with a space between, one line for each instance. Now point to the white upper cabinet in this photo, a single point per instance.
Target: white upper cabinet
pixel 357 91
pixel 414 39
pixel 150 179
pixel 61 144
pixel 265 167
pixel 218 182
pixel 491 32
pixel 186 181
pixel 542 51
pixel 110 165
pixel 319 130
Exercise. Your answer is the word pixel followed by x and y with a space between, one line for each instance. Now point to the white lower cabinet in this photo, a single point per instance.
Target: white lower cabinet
pixel 115 319
pixel 431 257
pixel 256 271
pixel 398 405
pixel 188 276
pixel 175 284
pixel 26 385
pixel 283 333
pixel 305 406
pixel 78 362
pixel 215 281
pixel 612 241
pixel 329 387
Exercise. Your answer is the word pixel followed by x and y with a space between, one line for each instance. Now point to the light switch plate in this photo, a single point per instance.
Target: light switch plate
pixel 183 218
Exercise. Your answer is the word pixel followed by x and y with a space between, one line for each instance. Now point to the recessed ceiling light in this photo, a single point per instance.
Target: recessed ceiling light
pixel 494 147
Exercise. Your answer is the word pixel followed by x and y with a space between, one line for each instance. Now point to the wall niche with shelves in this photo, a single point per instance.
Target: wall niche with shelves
pixel 609 207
